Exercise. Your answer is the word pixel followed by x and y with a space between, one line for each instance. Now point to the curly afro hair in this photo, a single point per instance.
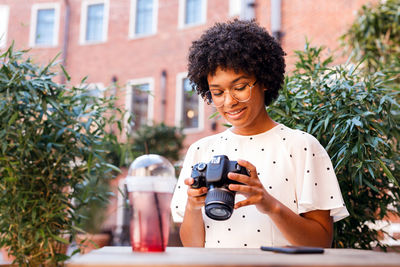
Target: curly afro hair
pixel 242 46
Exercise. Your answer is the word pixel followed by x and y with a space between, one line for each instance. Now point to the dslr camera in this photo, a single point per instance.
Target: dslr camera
pixel 220 200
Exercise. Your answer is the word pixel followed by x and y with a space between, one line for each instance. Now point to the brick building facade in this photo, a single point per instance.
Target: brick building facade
pixel 142 45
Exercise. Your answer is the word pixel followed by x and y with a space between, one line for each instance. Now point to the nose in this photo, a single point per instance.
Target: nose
pixel 229 101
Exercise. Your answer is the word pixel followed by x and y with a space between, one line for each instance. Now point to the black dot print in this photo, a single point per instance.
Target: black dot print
pixel 274 162
pixel 331 197
pixel 305 149
pixel 315 184
pixel 244 216
pixel 284 139
pixel 212 150
pixel 294 201
pixel 218 241
pixel 176 207
pixel 262 149
pixel 245 245
pixel 229 229
pixel 208 226
pixel 287 179
pixel 282 129
pixel 291 156
pixel 192 167
pixel 270 187
pixel 258 173
pixel 198 148
pixel 235 149
pixel 313 155
pixel 226 138
pixel 328 168
pixel 258 230
pixel 179 186
pixel 308 171
pixel 251 138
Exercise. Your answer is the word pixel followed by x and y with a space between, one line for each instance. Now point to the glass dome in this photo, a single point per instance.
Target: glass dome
pixel 151 172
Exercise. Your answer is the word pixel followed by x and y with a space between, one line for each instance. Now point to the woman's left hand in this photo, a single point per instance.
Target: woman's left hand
pixel 252 188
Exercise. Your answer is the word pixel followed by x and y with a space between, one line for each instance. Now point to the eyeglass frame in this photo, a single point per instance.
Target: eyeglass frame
pixel 211 102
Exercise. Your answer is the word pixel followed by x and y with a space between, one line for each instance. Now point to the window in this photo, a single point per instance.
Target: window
pixel 234 8
pixel 192 12
pixel 139 102
pixel 190 106
pixel 94 21
pixel 4 11
pixel 244 9
pixel 44 24
pixel 143 17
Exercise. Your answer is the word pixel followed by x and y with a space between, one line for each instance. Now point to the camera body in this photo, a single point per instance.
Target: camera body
pixel 220 200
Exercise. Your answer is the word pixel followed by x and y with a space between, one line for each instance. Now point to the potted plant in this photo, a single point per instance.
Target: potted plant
pixel 355 116
pixel 52 138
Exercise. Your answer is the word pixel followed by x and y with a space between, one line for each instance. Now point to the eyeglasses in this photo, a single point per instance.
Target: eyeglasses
pixel 241 92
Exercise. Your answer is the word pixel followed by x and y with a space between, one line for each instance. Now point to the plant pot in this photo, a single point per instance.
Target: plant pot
pixel 90 242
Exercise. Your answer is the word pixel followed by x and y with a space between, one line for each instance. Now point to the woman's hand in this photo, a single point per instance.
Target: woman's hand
pixel 252 188
pixel 196 197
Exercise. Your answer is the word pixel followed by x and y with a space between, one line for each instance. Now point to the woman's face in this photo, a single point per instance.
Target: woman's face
pixel 247 118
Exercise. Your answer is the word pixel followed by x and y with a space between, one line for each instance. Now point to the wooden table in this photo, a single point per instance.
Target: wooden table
pixel 201 257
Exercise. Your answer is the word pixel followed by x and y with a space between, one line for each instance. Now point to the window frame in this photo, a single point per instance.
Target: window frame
pixel 132 20
pixel 179 106
pixel 6 17
pixel 129 99
pixel 182 15
pixel 83 23
pixel 33 29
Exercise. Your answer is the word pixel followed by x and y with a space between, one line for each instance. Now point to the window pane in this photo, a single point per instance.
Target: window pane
pixel 94 24
pixel 193 11
pixel 190 106
pixel 45 27
pixel 144 17
pixel 3 25
pixel 140 104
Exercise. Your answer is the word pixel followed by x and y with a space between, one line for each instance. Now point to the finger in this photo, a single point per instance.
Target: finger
pixel 189 181
pixel 250 167
pixel 242 178
pixel 197 192
pixel 245 189
pixel 243 203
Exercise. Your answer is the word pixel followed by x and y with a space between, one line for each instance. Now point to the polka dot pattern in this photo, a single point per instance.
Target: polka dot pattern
pixel 292 166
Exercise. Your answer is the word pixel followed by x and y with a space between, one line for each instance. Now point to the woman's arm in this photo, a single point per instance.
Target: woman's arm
pixel 192 228
pixel 314 228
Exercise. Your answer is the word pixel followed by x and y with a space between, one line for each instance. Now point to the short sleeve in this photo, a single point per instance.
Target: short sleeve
pixel 179 198
pixel 317 185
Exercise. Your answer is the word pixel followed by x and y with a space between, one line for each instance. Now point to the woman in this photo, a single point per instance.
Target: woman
pixel 291 195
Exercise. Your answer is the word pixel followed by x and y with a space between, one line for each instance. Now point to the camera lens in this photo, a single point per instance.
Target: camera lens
pixel 219 203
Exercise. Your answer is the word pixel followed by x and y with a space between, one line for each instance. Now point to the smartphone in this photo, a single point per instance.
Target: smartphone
pixel 294 249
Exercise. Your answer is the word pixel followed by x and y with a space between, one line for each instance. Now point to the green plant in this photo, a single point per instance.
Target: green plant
pixel 375 36
pixel 357 119
pixel 158 139
pixel 52 139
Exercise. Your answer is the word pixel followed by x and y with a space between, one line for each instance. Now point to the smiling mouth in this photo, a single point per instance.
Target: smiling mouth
pixel 235 112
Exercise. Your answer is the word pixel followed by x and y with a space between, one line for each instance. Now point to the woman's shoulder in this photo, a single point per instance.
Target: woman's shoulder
pixel 298 138
pixel 205 141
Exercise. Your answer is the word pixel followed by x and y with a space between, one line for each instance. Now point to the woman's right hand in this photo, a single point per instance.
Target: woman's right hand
pixel 196 196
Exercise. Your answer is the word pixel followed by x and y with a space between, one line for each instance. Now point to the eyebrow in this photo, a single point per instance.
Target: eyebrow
pixel 233 81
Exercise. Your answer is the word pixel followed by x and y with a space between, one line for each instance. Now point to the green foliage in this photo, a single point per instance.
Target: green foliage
pixel 357 119
pixel 52 140
pixel 376 35
pixel 158 139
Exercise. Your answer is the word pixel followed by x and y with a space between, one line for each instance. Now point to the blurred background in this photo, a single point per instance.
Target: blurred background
pixel 136 50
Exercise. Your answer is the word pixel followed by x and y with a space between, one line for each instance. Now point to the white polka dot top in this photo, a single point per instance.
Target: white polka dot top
pixel 293 167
